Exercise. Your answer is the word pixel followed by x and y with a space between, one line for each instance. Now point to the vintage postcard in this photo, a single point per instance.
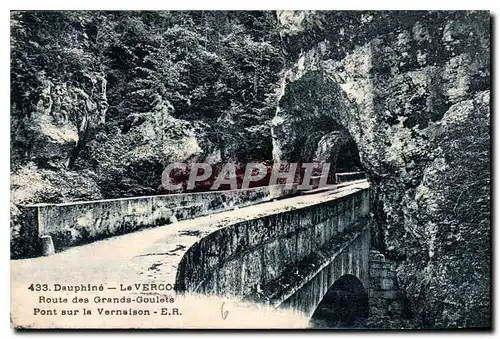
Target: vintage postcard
pixel 250 169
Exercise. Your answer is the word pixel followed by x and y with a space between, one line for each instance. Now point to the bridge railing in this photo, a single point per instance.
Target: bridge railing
pixel 339 178
pixel 349 176
pixel 74 223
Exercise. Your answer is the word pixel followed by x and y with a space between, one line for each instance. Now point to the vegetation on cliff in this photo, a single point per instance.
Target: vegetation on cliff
pixel 121 94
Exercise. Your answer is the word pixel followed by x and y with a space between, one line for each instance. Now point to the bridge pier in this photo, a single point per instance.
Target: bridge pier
pixel 386 299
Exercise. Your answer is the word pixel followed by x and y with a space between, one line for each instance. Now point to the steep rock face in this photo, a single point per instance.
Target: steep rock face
pixel 329 146
pixel 61 119
pixel 312 109
pixel 66 140
pixel 402 97
pixel 47 142
pixel 449 218
pixel 130 162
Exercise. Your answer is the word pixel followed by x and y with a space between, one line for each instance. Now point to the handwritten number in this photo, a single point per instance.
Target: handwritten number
pixel 222 312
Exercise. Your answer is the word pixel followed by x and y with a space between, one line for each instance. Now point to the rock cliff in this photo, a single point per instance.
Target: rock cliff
pixel 415 100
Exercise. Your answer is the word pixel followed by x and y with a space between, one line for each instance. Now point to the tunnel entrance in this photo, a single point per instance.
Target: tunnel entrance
pixel 312 125
pixel 348 158
pixel 344 305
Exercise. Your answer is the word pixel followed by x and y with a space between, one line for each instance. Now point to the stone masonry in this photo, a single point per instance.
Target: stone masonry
pixel 386 299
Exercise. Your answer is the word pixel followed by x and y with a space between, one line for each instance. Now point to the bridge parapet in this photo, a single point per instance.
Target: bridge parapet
pixel 71 224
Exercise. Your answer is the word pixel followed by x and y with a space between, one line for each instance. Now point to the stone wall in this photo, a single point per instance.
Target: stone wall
pixel 80 222
pixel 386 299
pixel 271 258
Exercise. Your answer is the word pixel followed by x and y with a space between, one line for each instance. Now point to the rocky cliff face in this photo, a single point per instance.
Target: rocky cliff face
pixel 61 118
pixel 51 135
pixel 416 103
pixel 102 101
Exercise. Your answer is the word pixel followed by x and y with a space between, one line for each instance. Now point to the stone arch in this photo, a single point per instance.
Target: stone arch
pixel 313 123
pixel 344 304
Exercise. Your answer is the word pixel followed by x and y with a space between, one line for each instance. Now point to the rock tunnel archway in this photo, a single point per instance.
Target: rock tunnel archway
pixel 313 124
pixel 344 304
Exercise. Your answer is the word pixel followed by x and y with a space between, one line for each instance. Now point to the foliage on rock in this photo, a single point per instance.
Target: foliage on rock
pixel 122 94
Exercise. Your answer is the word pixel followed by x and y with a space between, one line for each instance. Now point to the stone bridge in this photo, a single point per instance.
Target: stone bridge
pixel 309 252
pixel 294 258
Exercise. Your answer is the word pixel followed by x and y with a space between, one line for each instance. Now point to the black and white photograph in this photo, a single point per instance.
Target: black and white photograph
pixel 250 169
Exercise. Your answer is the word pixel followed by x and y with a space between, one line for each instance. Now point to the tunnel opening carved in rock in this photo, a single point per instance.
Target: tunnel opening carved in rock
pixel 312 125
